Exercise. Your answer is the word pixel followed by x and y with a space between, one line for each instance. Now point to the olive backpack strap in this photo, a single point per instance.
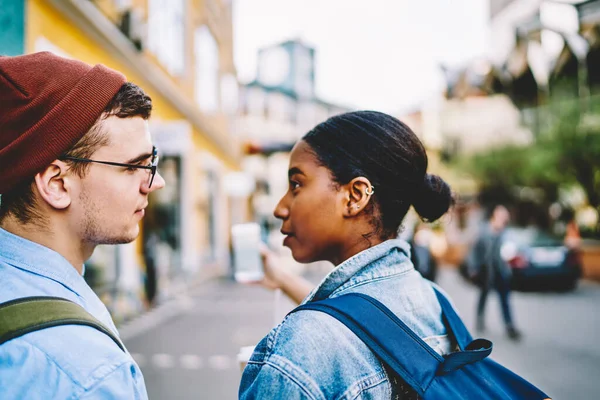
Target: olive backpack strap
pixel 29 314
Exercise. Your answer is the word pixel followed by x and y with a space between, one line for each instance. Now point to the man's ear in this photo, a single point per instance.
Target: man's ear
pixel 54 185
pixel 358 191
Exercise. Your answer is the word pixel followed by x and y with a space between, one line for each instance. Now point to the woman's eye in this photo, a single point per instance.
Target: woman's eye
pixel 294 185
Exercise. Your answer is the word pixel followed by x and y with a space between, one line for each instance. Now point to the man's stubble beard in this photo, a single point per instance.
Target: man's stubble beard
pixel 93 230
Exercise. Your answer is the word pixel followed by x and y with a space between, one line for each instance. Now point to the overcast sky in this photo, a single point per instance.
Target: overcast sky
pixel 376 54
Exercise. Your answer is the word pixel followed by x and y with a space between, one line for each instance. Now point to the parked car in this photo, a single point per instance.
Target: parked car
pixel 538 261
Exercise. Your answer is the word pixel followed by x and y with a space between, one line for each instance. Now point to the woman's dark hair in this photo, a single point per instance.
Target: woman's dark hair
pixel 382 149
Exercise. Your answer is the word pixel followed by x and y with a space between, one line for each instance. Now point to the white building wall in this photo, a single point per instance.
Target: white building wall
pixel 483 122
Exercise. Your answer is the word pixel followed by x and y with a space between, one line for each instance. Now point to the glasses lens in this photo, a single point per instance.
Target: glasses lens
pixel 154 166
pixel 152 177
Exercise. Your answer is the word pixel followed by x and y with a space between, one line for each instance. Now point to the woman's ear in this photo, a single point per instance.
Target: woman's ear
pixel 359 192
pixel 53 185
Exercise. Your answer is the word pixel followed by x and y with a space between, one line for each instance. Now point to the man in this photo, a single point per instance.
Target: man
pixel 76 168
pixel 493 272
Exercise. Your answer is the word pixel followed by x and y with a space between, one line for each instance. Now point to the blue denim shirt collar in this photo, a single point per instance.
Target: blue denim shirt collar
pixel 385 259
pixel 40 260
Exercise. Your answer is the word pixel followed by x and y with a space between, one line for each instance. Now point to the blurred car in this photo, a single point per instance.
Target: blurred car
pixel 540 261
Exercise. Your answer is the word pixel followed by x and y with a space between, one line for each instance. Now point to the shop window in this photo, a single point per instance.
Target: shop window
pixel 162 232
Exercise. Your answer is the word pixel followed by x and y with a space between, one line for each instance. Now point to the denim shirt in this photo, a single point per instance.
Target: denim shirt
pixel 311 355
pixel 63 362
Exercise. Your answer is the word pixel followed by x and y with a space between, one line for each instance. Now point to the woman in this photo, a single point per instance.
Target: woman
pixel 352 179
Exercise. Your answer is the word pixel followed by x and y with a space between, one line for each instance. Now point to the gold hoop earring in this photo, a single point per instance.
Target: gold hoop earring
pixel 369 193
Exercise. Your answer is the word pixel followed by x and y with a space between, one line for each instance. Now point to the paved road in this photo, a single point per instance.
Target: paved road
pixel 187 349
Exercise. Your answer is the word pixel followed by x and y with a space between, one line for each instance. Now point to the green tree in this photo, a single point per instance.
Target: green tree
pixel 504 170
pixel 573 143
pixel 567 152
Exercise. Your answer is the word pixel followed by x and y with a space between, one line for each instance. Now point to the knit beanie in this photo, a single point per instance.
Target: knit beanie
pixel 47 103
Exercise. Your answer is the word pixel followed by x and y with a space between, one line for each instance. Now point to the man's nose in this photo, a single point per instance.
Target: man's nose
pixel 158 183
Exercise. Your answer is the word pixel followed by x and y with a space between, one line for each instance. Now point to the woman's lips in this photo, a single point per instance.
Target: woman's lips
pixel 288 237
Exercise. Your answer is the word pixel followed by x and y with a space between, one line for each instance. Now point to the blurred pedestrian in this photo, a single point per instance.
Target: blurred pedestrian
pixel 572 235
pixel 493 272
pixel 420 252
pixel 77 168
pixel 151 244
pixel 352 179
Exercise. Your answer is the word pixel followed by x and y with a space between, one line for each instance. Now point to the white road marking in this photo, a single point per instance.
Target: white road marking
pixel 186 361
pixel 163 360
pixel 191 361
pixel 220 362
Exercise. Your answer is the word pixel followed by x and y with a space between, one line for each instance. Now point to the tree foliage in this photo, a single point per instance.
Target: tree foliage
pixel 573 145
pixel 567 152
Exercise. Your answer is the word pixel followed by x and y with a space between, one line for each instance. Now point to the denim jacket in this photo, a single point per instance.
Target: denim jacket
pixel 311 355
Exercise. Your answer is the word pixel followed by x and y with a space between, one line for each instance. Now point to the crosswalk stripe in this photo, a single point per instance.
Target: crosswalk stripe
pixel 191 361
pixel 220 362
pixel 163 360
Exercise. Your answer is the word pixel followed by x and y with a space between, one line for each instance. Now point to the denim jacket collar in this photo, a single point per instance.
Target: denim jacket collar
pixel 40 260
pixel 385 259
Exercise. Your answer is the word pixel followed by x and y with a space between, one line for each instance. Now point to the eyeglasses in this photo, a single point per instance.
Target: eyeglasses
pixel 152 167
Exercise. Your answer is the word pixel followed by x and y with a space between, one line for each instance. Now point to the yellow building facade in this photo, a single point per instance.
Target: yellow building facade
pixel 180 53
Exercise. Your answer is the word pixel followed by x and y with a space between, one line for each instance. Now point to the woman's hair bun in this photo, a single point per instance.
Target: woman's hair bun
pixel 433 199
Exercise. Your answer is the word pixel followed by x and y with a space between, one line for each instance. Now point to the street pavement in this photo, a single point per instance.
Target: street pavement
pixel 187 349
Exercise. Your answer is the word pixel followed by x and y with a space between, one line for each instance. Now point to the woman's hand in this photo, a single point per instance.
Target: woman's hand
pixel 273 272
pixel 277 277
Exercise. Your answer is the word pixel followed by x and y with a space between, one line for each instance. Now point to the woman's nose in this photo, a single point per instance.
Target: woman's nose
pixel 281 210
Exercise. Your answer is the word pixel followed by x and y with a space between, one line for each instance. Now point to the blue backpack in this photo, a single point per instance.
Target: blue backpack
pixel 464 374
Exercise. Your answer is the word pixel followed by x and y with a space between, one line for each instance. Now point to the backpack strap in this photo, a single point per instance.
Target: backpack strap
pixel 29 314
pixel 453 321
pixel 386 335
pixel 394 343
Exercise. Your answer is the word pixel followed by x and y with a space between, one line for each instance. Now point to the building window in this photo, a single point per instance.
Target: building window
pixel 306 115
pixel 166 33
pixel 255 101
pixel 243 101
pixel 207 70
pixel 280 107
pixel 304 83
pixel 229 94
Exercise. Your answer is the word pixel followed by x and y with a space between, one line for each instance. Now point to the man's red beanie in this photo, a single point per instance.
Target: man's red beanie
pixel 47 103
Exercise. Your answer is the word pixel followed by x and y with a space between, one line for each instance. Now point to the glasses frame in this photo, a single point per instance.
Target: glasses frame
pixel 153 167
